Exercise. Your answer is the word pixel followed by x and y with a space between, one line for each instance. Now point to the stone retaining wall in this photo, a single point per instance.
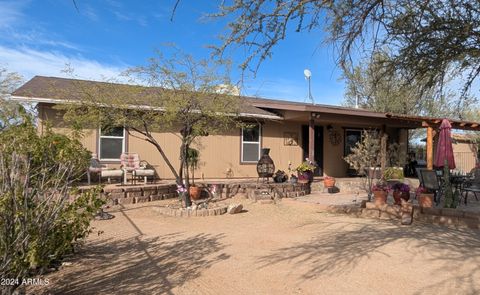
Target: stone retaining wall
pixel 147 193
pixel 440 216
pixel 141 194
pixel 355 184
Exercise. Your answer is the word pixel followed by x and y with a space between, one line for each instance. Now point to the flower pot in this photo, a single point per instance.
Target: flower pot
pixel 329 182
pixel 397 197
pixel 425 200
pixel 195 192
pixel 405 196
pixel 305 176
pixel 380 198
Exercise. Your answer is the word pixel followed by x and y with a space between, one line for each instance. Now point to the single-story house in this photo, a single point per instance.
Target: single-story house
pixel 292 130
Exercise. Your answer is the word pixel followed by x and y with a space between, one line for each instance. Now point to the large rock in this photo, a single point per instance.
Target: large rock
pixel 234 208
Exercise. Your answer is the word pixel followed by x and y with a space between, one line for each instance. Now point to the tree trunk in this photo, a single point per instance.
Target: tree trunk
pixel 188 203
pixel 167 161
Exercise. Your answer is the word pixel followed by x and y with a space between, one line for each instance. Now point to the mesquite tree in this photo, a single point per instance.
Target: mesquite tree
pixel 184 96
pixel 429 40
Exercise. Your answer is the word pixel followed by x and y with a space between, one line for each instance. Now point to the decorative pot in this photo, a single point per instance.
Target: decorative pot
pixel 195 192
pixel 305 176
pixel 425 200
pixel 397 197
pixel 329 182
pixel 405 196
pixel 265 166
pixel 380 198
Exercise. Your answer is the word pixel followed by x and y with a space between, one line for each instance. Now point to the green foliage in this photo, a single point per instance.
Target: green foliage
pixel 39 219
pixel 393 173
pixel 193 159
pixel 305 166
pixel 186 97
pixel 430 41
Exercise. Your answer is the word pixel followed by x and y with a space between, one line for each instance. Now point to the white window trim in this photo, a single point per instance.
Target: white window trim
pixel 100 136
pixel 259 142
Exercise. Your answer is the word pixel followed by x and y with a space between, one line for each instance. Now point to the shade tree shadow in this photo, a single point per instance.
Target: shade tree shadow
pixel 347 244
pixel 140 266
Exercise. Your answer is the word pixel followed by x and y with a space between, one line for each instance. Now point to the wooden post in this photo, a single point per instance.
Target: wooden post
pixel 311 140
pixel 429 147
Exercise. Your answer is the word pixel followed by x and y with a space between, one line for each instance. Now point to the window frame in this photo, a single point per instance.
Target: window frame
pixel 100 137
pixel 259 142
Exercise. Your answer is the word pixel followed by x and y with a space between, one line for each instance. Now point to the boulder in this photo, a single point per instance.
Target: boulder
pixel 234 208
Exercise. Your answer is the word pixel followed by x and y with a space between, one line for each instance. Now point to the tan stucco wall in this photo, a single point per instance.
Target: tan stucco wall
pixel 219 153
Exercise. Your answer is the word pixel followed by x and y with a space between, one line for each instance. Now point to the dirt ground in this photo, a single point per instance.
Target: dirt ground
pixel 288 248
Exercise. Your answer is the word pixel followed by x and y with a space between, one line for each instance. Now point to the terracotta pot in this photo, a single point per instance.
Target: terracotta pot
pixel 329 182
pixel 195 192
pixel 425 200
pixel 380 197
pixel 397 197
pixel 405 196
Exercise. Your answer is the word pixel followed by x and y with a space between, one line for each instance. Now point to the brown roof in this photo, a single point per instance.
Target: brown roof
pixel 61 89
pixel 58 90
pixel 464 137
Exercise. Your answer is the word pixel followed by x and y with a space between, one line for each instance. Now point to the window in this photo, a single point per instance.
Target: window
pixel 352 136
pixel 111 143
pixel 251 144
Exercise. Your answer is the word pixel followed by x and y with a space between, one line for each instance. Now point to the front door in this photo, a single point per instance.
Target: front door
pixel 318 147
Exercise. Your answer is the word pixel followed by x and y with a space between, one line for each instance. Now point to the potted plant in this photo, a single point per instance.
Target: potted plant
pixel 305 171
pixel 328 181
pixel 393 173
pixel 193 158
pixel 401 191
pixel 380 193
pixel 424 197
pixel 280 176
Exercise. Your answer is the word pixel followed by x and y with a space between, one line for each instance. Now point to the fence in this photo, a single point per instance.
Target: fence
pixel 465 161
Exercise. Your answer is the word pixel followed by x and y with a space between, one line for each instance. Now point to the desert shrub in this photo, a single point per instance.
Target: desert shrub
pixel 39 220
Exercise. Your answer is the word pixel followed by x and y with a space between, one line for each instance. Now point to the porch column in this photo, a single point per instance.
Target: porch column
pixel 311 140
pixel 429 147
pixel 383 148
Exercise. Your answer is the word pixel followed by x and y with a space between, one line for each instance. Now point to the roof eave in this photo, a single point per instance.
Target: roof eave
pixel 142 107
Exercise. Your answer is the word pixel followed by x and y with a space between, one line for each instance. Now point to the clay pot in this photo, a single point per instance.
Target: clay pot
pixel 397 197
pixel 380 198
pixel 329 182
pixel 195 192
pixel 425 200
pixel 405 196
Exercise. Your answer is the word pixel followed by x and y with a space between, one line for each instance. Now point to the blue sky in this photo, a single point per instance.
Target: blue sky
pixel 103 38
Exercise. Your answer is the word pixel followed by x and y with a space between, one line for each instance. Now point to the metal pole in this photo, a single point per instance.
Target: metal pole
pixel 310 90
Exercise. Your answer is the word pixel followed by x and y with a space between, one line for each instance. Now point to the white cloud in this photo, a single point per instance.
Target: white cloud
pixel 30 62
pixel 11 12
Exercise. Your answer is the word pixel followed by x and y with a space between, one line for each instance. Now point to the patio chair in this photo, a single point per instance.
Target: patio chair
pixel 431 182
pixel 94 168
pixel 130 163
pixel 471 185
pixel 419 174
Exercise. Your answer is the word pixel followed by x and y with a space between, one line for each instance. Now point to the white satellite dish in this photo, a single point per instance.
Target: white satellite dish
pixel 307 73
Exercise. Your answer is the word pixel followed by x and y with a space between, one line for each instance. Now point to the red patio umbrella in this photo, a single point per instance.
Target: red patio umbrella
pixel 444 147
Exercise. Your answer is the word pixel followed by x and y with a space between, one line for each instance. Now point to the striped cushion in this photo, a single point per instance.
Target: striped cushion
pixel 130 161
